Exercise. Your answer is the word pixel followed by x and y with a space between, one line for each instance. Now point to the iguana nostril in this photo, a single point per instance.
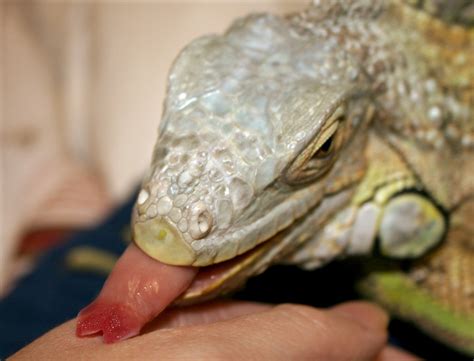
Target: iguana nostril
pixel 201 221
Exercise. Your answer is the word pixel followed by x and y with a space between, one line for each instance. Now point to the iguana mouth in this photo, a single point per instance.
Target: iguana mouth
pixel 217 278
pixel 225 277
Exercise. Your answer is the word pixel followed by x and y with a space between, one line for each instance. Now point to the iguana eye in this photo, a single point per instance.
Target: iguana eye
pixel 326 149
pixel 317 158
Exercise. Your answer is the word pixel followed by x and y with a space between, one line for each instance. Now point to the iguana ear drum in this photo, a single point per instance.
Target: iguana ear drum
pixel 410 225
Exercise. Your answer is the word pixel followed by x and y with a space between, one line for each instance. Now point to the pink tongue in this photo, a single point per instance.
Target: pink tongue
pixel 137 290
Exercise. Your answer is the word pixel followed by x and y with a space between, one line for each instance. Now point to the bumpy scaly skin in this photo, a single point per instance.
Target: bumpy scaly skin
pixel 246 117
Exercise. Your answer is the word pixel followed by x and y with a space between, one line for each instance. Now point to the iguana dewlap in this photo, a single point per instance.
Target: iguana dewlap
pixel 343 130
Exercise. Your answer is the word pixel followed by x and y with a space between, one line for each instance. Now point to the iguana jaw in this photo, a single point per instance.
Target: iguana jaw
pixel 227 276
pixel 161 239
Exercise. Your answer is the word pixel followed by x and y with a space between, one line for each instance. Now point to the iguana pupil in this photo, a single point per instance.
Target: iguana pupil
pixel 325 148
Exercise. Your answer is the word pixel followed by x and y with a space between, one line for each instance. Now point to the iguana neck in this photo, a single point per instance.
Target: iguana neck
pixel 444 43
pixel 459 12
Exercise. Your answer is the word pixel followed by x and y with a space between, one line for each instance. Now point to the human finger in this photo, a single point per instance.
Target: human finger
pixel 204 313
pixel 281 333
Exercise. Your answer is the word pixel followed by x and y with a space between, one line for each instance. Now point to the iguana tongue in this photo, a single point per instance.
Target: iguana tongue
pixel 137 290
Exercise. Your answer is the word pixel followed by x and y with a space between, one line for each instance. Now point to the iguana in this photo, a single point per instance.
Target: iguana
pixel 346 129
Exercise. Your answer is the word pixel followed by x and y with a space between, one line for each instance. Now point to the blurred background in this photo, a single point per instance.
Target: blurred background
pixel 82 89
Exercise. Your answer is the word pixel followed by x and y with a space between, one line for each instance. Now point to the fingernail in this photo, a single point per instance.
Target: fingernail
pixel 366 314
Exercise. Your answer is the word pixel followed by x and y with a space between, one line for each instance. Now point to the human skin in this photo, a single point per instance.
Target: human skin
pixel 236 331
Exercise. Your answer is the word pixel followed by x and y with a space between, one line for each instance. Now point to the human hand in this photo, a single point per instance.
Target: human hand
pixel 236 331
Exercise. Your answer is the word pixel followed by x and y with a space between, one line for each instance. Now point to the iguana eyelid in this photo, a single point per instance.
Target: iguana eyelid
pixel 331 131
pixel 305 168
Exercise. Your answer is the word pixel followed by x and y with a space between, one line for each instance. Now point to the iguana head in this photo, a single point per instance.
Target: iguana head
pixel 257 125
